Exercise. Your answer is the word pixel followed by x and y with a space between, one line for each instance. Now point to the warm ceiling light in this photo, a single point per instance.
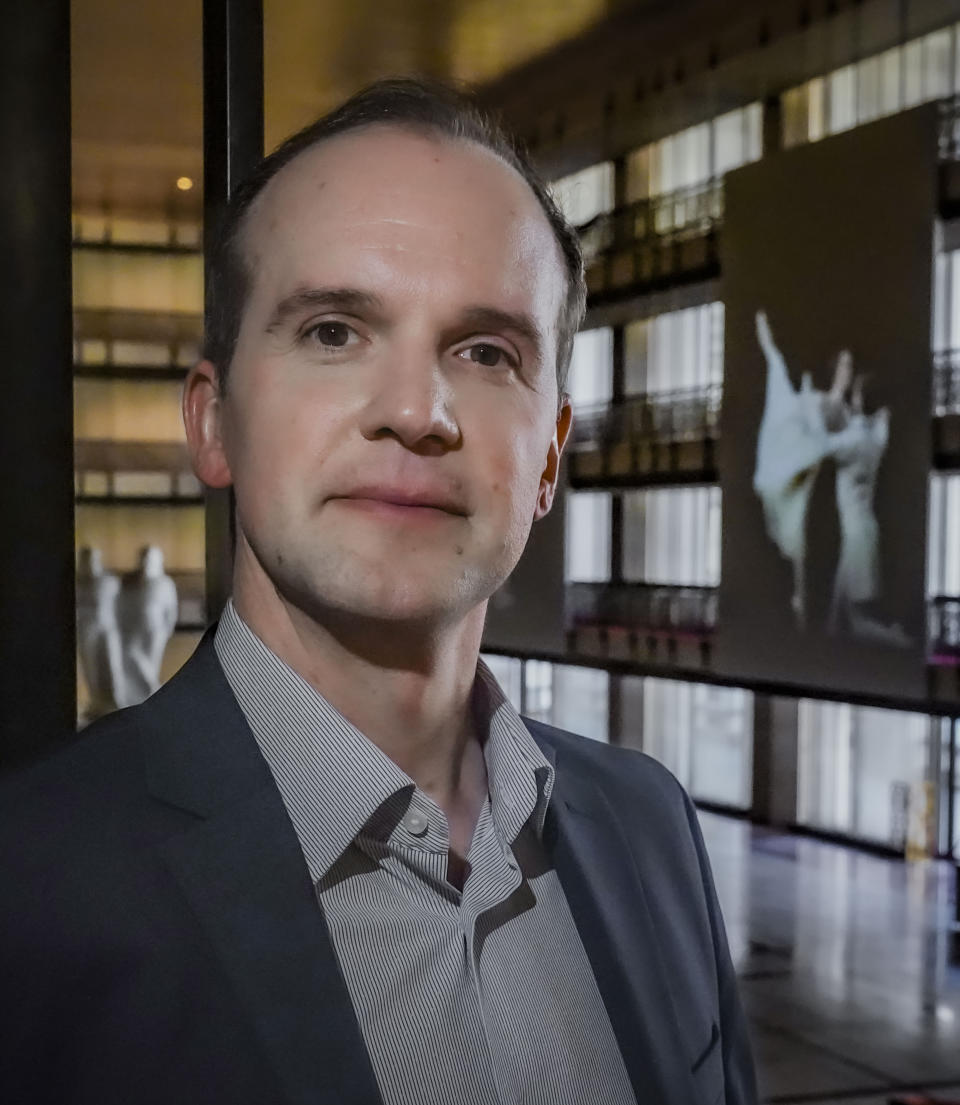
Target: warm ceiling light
pixel 184 183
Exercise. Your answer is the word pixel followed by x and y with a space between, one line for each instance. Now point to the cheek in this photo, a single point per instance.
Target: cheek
pixel 276 448
pixel 515 470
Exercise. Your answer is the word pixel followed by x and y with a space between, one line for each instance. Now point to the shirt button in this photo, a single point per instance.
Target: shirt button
pixel 415 823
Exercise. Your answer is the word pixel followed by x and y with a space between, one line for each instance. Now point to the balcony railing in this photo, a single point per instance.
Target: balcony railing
pixel 946 382
pixel 689 415
pixel 643 607
pixel 943 628
pixel 694 414
pixel 696 209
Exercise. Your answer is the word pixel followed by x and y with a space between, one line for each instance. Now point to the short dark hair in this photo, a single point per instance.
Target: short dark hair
pixel 425 106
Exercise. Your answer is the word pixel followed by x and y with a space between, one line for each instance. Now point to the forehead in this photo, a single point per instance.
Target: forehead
pixel 386 195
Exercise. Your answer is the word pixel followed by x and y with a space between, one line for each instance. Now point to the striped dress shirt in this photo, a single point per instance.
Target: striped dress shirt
pixel 479 997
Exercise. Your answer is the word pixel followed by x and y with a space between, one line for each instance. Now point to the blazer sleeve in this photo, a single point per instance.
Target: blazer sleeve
pixel 740 1084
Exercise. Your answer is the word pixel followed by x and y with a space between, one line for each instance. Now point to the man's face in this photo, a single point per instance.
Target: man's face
pixel 390 421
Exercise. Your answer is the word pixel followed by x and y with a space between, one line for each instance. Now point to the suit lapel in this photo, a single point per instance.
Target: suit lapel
pixel 605 892
pixel 242 872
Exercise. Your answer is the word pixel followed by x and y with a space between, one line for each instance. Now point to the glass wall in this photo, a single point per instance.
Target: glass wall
pixel 900 78
pixel 675 350
pixel 508 672
pixel 943 543
pixel 696 155
pixel 702 733
pixel 590 379
pixel 569 697
pixel 860 768
pixel 586 553
pixel 671 535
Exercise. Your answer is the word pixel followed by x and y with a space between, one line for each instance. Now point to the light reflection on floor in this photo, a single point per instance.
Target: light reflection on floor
pixel 843 958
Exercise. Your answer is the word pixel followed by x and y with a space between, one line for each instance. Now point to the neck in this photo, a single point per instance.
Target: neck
pixel 406 688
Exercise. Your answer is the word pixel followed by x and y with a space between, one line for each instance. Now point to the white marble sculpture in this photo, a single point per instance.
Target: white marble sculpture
pixel 148 619
pixel 98 634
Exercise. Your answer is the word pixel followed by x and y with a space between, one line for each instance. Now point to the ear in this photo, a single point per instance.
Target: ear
pixel 551 473
pixel 203 422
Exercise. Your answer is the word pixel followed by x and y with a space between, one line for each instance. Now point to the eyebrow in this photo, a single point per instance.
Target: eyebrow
pixel 495 319
pixel 347 300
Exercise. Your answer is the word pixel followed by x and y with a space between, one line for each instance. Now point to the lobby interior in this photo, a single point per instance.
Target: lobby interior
pixel 830 806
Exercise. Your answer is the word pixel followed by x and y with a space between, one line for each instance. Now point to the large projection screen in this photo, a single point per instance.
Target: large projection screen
pixel 825 451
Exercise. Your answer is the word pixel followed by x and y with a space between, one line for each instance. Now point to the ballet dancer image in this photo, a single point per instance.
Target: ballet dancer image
pixel 799 429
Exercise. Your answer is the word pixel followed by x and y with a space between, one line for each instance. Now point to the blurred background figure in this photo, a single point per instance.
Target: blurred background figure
pixel 98 634
pixel 149 616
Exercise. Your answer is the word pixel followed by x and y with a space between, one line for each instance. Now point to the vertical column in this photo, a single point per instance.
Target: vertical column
pixel 615 709
pixel 232 145
pixel 630 703
pixel 616 496
pixel 772 125
pixel 953 850
pixel 37 613
pixel 775 732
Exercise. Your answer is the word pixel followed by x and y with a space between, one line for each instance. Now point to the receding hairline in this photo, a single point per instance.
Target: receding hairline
pixel 415 127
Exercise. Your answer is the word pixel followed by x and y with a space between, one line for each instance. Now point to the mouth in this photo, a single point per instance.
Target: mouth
pixel 401 503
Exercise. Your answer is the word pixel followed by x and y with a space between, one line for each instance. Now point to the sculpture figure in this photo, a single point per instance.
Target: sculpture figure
pixel 149 616
pixel 98 634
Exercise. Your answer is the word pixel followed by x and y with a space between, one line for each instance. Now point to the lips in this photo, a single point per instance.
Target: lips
pixel 429 498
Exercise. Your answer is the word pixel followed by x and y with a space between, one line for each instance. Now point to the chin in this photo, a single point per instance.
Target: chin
pixel 380 600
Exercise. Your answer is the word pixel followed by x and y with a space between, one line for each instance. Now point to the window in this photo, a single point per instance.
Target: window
pixel 946 306
pixel 921 70
pixel 590 380
pixel 860 769
pixel 570 697
pixel 824 768
pixel 508 672
pixel 943 541
pixel 696 155
pixel 587 538
pixel 672 536
pixel 674 351
pixel 702 733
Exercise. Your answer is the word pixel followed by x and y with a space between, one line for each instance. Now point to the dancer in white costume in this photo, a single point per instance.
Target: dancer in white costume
pixel 798 431
pixel 149 618
pixel 98 634
pixel 858 570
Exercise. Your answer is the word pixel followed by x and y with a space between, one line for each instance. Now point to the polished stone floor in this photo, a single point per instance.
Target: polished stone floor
pixel 844 965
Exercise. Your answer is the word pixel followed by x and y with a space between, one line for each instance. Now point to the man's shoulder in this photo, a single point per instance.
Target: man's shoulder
pixel 615 768
pixel 89 786
pixel 91 755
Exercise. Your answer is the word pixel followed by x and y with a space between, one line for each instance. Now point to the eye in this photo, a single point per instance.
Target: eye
pixel 489 355
pixel 331 334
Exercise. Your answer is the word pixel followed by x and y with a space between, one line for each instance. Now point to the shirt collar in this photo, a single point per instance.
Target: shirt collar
pixel 519 776
pixel 333 779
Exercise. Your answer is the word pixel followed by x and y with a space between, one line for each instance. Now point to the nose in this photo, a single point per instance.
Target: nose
pixel 411 402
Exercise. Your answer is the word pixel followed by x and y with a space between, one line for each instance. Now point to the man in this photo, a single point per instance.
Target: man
pixel 327 863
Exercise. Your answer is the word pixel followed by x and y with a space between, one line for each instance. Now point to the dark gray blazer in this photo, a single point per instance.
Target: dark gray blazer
pixel 160 941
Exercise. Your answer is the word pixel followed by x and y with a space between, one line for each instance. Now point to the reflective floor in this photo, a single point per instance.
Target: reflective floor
pixel 844 966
